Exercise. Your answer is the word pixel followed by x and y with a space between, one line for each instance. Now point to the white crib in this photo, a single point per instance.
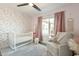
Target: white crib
pixel 19 39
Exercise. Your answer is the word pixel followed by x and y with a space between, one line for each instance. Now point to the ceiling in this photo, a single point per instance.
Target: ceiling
pixel 45 7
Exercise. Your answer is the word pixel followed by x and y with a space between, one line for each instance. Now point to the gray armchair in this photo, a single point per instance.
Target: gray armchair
pixel 59 45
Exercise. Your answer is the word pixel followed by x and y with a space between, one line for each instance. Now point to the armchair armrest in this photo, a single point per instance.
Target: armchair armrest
pixel 64 50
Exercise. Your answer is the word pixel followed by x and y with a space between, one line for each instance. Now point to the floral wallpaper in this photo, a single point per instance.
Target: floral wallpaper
pixel 12 20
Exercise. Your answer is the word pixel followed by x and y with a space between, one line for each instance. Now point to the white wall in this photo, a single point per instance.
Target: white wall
pixel 11 20
pixel 71 11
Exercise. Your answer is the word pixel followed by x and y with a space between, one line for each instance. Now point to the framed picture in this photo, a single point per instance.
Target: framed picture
pixel 70 25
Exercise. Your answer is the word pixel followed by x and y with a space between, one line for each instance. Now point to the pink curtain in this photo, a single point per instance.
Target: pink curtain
pixel 59 22
pixel 39 29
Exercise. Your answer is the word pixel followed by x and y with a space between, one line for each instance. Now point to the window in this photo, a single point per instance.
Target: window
pixel 48 26
pixel 51 24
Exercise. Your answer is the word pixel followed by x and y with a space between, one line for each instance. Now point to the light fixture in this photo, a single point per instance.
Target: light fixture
pixel 30 4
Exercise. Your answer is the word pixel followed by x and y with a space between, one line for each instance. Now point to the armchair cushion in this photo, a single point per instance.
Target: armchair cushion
pixel 62 37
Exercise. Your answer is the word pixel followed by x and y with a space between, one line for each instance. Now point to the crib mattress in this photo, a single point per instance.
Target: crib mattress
pixel 23 39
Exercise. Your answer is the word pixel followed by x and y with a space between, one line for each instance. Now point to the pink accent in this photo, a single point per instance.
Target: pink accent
pixel 34 34
pixel 59 22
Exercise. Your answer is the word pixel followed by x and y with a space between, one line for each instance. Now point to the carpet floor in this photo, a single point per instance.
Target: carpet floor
pixel 27 50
